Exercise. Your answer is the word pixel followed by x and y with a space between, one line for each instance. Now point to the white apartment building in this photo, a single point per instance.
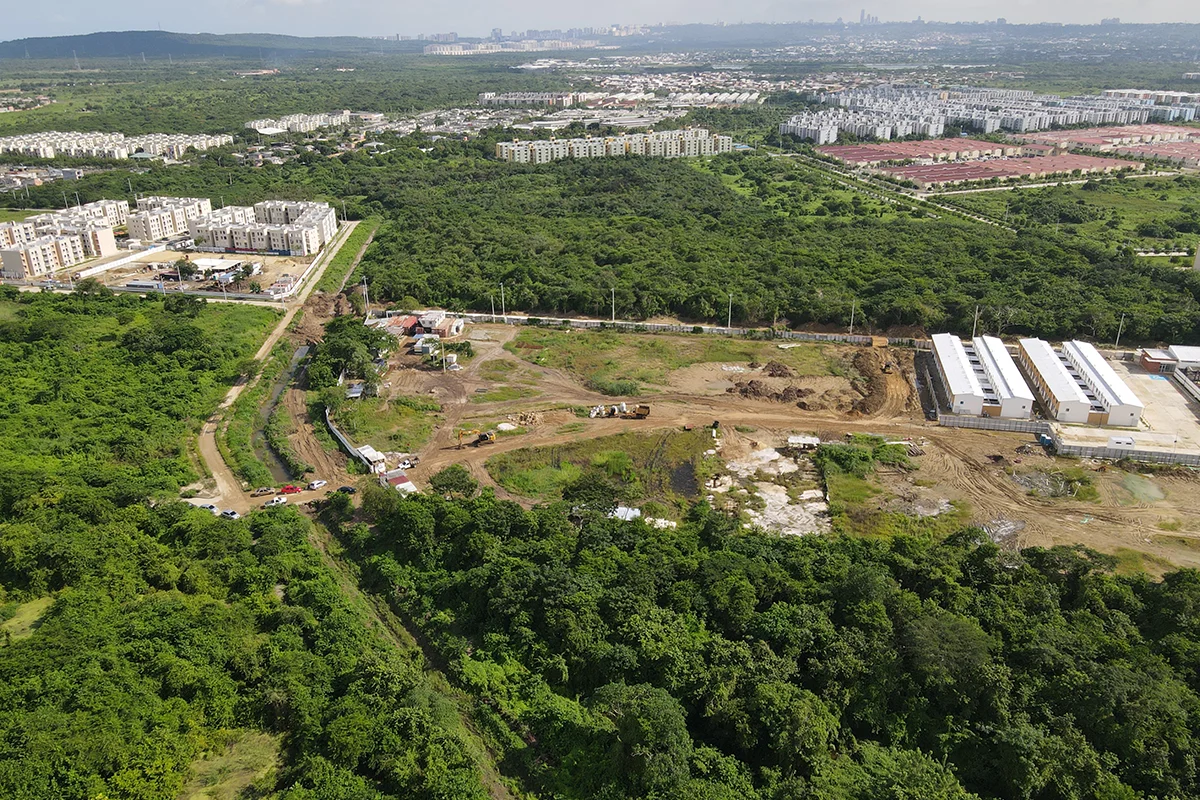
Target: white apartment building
pixel 662 144
pixel 163 217
pixel 15 233
pixel 40 256
pixel 52 144
pixel 300 123
pixel 526 99
pixel 286 227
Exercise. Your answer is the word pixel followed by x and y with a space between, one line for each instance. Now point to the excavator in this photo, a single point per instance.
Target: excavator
pixel 481 437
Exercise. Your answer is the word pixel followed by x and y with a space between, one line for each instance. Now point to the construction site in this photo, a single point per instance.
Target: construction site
pixel 735 422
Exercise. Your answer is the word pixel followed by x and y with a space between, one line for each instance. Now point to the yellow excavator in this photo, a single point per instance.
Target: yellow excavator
pixel 481 437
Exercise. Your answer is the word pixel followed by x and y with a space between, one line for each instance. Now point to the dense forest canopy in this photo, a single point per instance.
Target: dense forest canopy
pixel 167 633
pixel 677 238
pixel 711 662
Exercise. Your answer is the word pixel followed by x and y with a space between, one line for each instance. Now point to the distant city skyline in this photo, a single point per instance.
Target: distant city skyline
pixel 475 18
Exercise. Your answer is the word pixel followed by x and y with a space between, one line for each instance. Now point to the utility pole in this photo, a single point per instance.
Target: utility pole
pixel 66 205
pixel 492 297
pixel 503 310
pixel 729 318
pixel 853 308
pixel 129 182
pixel 343 211
pixel 975 322
pixel 614 305
pixel 77 203
pixel 1120 330
pixel 366 297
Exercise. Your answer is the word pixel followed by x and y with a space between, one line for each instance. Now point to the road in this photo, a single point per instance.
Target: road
pixel 227 491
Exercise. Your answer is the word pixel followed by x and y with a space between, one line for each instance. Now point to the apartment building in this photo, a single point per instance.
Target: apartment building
pixel 300 123
pixel 285 227
pixel 16 233
pixel 40 256
pixel 164 217
pixel 53 144
pixel 527 99
pixel 663 144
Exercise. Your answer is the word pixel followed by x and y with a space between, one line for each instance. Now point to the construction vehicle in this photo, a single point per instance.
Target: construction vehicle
pixel 481 437
pixel 639 412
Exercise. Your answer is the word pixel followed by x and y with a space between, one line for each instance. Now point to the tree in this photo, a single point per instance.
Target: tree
pixel 453 481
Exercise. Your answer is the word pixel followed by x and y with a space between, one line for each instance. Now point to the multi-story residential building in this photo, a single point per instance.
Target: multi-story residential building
pixel 52 144
pixel 40 256
pixel 163 217
pixel 16 233
pixel 662 144
pixel 527 99
pixel 281 226
pixel 301 123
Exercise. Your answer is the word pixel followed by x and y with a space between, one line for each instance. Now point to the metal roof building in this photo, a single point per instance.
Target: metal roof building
pixel 963 388
pixel 1011 393
pixel 1123 406
pixel 1058 390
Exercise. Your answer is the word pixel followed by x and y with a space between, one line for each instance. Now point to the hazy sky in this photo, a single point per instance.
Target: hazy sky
pixel 477 17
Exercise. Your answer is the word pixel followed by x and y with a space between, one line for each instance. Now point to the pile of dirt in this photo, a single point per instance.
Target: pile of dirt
pixel 757 390
pixel 831 400
pixel 773 369
pixel 527 419
pixel 873 385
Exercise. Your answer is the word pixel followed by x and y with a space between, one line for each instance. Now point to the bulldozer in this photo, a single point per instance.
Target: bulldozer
pixel 481 437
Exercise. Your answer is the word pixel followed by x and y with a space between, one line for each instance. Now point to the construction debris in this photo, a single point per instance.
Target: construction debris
pixel 774 369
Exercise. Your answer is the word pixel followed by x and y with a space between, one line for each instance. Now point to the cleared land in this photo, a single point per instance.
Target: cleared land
pixel 232 767
pixel 16 215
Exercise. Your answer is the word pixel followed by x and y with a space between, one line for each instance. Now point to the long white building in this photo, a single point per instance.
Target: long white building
pixel 1122 406
pixel 52 144
pixel 1076 384
pixel 661 144
pixel 981 378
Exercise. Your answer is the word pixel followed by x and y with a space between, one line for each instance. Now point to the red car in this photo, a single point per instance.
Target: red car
pixel 289 489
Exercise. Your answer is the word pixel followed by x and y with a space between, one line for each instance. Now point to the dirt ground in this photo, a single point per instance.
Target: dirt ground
pixel 958 465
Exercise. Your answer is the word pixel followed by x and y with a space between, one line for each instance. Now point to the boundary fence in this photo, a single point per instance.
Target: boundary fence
pixel 997 424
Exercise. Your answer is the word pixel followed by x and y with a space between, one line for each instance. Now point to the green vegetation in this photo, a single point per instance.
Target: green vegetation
pixel 235 435
pixel 279 427
pixel 338 271
pixel 626 468
pixel 150 649
pixel 624 661
pixel 503 394
pixel 17 215
pixel 1145 213
pixel 395 423
pixel 618 364
pixel 350 347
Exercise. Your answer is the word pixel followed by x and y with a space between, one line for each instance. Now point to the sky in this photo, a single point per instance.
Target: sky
pixel 478 17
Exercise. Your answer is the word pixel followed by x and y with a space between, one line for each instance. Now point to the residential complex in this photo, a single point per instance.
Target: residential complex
pixel 48 242
pixel 53 144
pixel 981 378
pixel 299 123
pixel 891 112
pixel 663 144
pixel 283 227
pixel 165 217
pixel 527 99
pixel 1076 384
pixel 523 46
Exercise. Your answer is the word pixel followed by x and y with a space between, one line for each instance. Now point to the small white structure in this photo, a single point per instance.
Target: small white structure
pixel 373 458
pixel 1188 356
pixel 958 376
pixel 1009 390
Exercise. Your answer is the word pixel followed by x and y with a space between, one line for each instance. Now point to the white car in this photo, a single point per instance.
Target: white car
pixel 275 501
pixel 229 513
pixel 316 485
pixel 210 508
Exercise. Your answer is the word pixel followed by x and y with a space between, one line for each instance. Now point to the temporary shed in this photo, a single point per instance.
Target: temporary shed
pixel 1188 356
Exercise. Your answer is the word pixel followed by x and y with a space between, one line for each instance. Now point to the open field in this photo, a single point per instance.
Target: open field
pixel 1144 212
pixel 22 619
pixel 226 773
pixel 16 215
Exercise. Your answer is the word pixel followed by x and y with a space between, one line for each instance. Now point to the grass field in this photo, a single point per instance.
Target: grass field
pixel 228 773
pixel 16 215
pixel 1138 211
pixel 620 364
pixel 22 620
pixel 341 264
pixel 398 423
pixel 659 467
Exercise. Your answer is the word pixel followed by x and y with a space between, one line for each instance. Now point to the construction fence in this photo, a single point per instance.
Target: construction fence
pixel 997 424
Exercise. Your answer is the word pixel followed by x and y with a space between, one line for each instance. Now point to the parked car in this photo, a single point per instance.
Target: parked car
pixel 275 501
pixel 314 485
pixel 210 508
pixel 265 490
pixel 229 513
pixel 290 489
pixel 347 490
pixel 405 464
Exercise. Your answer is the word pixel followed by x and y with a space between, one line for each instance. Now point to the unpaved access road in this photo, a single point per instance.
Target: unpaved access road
pixel 226 490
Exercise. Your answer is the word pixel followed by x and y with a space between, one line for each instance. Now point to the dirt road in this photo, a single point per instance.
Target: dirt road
pixel 227 491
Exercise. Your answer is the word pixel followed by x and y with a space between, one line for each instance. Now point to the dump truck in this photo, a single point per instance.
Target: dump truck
pixel 640 412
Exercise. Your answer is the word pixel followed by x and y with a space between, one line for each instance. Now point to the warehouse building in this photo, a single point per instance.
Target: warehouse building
pixel 981 378
pixel 1121 406
pixel 1061 395
pixel 1076 384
